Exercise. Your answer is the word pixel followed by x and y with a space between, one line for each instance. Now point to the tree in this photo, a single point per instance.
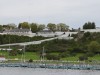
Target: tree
pixel 11 25
pixel 89 25
pixel 1 28
pixel 62 27
pixel 6 27
pixel 19 26
pixel 94 47
pixel 87 34
pixel 93 25
pixel 34 27
pixel 52 27
pixel 24 25
pixel 41 27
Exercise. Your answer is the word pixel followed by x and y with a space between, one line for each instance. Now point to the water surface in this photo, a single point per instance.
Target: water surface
pixel 39 71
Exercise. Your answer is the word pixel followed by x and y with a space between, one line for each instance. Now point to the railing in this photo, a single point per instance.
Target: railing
pixel 53 65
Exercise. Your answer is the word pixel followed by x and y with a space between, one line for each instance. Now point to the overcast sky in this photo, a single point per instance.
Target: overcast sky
pixel 72 12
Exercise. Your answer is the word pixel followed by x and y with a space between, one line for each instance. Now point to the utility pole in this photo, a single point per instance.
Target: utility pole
pixel 9 41
pixel 43 54
pixel 24 53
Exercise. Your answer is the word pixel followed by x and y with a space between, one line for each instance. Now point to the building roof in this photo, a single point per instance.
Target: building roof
pixel 19 30
pixel 46 30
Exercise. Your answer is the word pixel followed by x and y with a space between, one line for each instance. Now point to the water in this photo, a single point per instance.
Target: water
pixel 38 71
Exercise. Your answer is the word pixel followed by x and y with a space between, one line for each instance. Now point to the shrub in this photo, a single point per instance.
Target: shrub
pixel 73 54
pixel 13 53
pixel 82 58
pixel 31 60
pixel 20 52
pixel 90 54
pixel 52 57
pixel 65 54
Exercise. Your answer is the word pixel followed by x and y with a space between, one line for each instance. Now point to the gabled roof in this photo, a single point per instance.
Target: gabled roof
pixel 19 30
pixel 46 30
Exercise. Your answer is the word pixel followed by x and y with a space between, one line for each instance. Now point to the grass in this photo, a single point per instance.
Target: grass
pixel 28 55
pixel 72 58
pixel 55 53
pixel 35 56
pixel 95 58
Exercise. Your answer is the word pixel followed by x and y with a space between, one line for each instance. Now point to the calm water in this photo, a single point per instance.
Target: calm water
pixel 32 71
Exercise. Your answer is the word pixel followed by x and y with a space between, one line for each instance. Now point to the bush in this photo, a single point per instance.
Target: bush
pixel 65 54
pixel 82 58
pixel 73 54
pixel 90 54
pixel 13 53
pixel 31 60
pixel 52 57
pixel 77 50
pixel 62 55
pixel 20 52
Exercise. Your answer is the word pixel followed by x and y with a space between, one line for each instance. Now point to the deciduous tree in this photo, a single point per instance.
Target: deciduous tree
pixel 52 27
pixel 24 25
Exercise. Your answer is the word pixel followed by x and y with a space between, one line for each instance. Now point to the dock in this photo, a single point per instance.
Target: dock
pixel 53 66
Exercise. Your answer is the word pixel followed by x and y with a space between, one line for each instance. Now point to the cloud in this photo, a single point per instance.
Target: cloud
pixel 72 12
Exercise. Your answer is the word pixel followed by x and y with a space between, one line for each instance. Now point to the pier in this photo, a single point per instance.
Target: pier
pixel 47 65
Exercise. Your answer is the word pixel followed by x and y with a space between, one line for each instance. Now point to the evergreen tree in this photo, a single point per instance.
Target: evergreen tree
pixel 89 25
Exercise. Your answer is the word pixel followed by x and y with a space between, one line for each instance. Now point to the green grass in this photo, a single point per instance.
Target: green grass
pixel 72 58
pixel 96 57
pixel 32 55
pixel 35 56
pixel 55 53
pixel 28 55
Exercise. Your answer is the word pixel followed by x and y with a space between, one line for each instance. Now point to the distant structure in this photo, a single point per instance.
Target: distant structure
pixel 46 33
pixel 49 33
pixel 19 32
pixel 91 30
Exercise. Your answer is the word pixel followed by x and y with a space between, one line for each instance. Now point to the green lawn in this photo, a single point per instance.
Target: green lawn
pixel 75 58
pixel 28 55
pixel 72 58
pixel 96 57
pixel 35 56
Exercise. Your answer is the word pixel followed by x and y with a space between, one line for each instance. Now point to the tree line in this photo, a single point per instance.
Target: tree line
pixel 89 25
pixel 35 27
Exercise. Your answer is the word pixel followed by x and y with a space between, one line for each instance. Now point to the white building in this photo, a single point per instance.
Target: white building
pixel 46 33
pixel 91 30
pixel 19 32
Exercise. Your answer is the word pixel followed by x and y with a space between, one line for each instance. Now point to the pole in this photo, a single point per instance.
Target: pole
pixel 24 53
pixel 9 41
pixel 42 57
pixel 43 53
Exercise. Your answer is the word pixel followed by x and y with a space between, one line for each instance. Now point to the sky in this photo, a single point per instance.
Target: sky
pixel 71 12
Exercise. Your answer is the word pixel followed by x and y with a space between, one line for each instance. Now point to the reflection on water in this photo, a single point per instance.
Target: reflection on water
pixel 38 71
